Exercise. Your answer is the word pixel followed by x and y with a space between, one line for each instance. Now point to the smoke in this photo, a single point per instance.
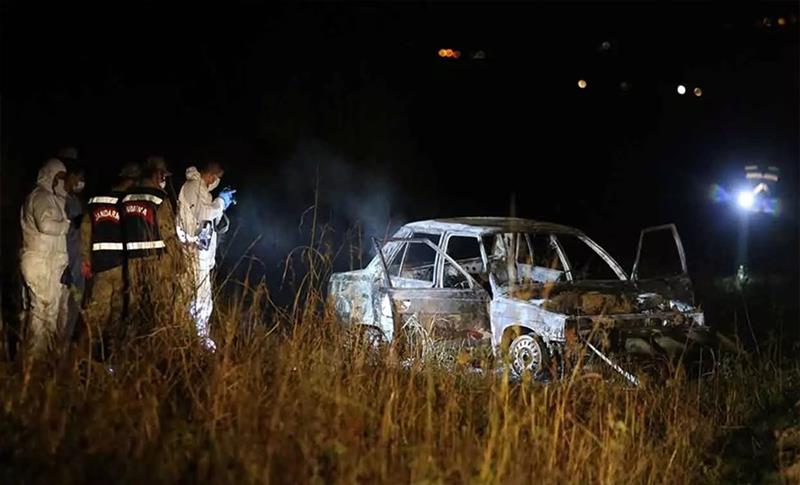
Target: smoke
pixel 352 202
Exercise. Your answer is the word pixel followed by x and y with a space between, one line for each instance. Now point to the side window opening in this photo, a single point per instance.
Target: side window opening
pixel 585 263
pixel 536 258
pixel 544 264
pixel 659 257
pixel 414 263
pixel 466 251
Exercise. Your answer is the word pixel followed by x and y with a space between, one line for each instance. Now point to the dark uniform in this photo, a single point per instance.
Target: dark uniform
pixel 153 253
pixel 103 245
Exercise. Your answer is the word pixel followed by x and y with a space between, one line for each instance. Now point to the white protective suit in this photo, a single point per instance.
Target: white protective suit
pixel 44 254
pixel 196 205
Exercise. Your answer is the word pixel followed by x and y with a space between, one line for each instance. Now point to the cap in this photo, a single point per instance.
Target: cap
pixel 130 170
pixel 156 163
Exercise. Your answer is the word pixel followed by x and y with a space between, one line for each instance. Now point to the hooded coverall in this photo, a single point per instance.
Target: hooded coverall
pixel 196 206
pixel 44 255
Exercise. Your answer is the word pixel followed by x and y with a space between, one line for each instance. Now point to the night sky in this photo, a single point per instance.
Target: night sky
pixel 357 94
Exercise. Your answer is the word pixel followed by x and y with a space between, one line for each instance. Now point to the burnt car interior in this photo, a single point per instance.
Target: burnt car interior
pixel 539 259
pixel 544 263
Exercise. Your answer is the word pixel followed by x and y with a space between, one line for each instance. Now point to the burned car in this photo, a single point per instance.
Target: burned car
pixel 523 288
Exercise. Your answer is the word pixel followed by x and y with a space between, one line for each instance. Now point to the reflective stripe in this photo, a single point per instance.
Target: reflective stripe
pixel 103 200
pixel 108 247
pixel 132 246
pixel 147 197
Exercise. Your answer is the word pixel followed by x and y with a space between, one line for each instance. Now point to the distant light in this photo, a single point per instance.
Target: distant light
pixel 442 52
pixel 745 199
pixel 698 92
pixel 456 54
pixel 766 22
pixel 479 55
pixel 449 52
pixel 582 84
pixel 606 45
pixel 625 86
pixel 681 89
pixel 781 21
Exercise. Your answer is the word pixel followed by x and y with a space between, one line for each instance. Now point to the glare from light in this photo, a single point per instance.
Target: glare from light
pixel 745 199
pixel 456 54
pixel 781 21
pixel 718 194
pixel 582 84
pixel 442 52
pixel 698 92
pixel 681 89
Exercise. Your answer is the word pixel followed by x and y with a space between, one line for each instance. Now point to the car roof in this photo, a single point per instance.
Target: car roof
pixel 481 226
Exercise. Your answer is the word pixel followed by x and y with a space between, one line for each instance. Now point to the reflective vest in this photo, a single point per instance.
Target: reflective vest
pixel 140 222
pixel 108 250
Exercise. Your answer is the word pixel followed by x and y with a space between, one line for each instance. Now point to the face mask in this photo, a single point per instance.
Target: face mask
pixel 59 188
pixel 163 184
pixel 214 184
pixel 79 187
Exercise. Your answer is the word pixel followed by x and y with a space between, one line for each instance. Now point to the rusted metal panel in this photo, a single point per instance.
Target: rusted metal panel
pixel 508 312
pixel 351 296
pixel 552 307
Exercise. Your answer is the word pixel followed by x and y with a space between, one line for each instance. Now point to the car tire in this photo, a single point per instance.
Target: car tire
pixel 528 354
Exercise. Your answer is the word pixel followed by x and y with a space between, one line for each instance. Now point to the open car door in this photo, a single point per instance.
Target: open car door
pixel 660 265
pixel 446 308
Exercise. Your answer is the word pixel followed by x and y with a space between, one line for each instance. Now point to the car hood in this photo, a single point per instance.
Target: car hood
pixel 599 298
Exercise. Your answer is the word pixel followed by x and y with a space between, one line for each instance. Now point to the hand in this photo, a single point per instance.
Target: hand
pixel 86 269
pixel 227 197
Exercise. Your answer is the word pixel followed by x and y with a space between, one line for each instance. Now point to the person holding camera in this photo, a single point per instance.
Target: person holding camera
pixel 199 213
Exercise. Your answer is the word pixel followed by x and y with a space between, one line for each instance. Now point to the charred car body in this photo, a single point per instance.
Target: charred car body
pixel 523 287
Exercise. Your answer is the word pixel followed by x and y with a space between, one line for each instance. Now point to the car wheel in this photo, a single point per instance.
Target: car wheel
pixel 373 336
pixel 528 355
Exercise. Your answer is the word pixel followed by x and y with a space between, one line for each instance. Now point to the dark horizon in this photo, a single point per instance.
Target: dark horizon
pixel 358 94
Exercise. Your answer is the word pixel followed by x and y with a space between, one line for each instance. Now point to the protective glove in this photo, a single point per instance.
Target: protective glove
pixel 227 197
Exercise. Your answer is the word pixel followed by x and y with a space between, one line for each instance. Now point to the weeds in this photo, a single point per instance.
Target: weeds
pixel 292 397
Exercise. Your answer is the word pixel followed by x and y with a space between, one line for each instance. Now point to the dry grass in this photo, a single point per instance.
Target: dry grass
pixel 294 399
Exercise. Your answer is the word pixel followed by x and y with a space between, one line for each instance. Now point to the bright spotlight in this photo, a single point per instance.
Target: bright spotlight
pixel 681 89
pixel 745 199
pixel 582 84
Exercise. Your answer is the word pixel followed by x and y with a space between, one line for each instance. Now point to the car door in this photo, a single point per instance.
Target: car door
pixel 660 265
pixel 425 311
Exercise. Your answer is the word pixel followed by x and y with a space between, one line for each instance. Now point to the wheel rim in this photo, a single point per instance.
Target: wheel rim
pixel 373 337
pixel 526 354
